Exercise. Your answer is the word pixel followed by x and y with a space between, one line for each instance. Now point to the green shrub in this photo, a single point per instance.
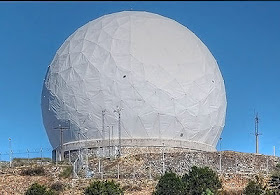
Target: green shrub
pixel 67 172
pixel 104 188
pixel 57 186
pixel 208 192
pixel 33 171
pixel 198 180
pixel 18 162
pixel 169 184
pixel 253 188
pixel 44 159
pixel 37 189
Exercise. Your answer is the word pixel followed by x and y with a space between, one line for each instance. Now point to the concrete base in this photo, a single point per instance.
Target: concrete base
pixel 138 146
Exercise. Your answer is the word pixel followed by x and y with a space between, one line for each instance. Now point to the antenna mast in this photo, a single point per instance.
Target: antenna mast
pixel 257 133
pixel 61 129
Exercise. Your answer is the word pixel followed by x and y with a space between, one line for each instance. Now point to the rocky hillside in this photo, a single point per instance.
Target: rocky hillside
pixel 12 181
pixel 138 174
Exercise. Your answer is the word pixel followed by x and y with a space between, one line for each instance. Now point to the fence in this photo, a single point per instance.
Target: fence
pixel 153 165
pixel 40 153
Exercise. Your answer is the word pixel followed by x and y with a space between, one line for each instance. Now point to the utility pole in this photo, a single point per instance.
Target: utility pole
pixel 118 110
pixel 61 129
pixel 257 133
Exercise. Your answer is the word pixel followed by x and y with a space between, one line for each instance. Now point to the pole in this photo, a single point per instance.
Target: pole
pixel 220 144
pixel 10 146
pixel 257 144
pixel 273 150
pixel 61 143
pixel 79 136
pixel 69 157
pixel 87 174
pixel 118 170
pixel 150 171
pixel 118 110
pixel 99 165
pixel 56 161
pixel 266 165
pixel 112 137
pixel 109 141
pixel 163 164
pixel 257 133
pixel 120 133
pixel 220 156
pixel 28 155
pixel 220 161
pixel 41 151
pixel 61 129
pixel 103 131
pixel 101 170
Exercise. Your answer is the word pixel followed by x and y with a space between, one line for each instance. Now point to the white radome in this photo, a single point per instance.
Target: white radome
pixel 164 78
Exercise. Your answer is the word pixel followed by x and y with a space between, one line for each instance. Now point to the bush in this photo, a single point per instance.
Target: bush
pixel 103 187
pixel 37 189
pixel 18 162
pixel 33 171
pixel 275 180
pixel 169 184
pixel 67 172
pixel 198 180
pixel 208 192
pixel 57 186
pixel 253 188
pixel 259 187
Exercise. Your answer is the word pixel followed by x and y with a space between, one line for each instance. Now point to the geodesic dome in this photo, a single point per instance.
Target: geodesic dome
pixel 158 72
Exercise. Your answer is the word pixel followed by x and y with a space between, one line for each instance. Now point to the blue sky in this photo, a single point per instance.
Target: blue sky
pixel 242 36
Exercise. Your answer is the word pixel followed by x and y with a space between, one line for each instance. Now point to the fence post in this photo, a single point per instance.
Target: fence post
pixel 101 174
pixel 267 165
pixel 133 172
pixel 99 165
pixel 220 160
pixel 163 163
pixel 69 156
pixel 28 156
pixel 118 170
pixel 41 150
pixel 10 147
pixel 150 171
